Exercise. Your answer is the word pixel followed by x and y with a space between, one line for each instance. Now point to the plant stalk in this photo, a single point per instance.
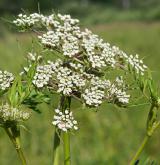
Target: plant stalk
pixel 66 146
pixel 65 103
pixel 16 143
pixel 139 151
pixel 152 125
pixel 56 146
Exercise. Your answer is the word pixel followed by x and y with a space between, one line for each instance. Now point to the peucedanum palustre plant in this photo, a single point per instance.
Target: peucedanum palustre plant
pixel 82 66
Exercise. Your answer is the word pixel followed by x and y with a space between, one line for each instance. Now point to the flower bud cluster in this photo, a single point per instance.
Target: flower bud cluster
pixel 6 79
pixel 8 113
pixel 64 120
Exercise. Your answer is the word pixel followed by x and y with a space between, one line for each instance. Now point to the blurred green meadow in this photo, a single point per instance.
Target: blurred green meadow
pixel 108 136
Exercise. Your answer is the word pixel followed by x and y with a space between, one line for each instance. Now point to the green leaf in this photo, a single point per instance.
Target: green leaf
pixel 35 98
pixel 12 95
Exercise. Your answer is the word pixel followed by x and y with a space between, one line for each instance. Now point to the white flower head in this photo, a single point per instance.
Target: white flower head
pixel 8 113
pixel 85 58
pixel 64 120
pixel 6 79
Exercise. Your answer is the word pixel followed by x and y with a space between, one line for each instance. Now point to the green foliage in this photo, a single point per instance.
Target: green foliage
pixel 35 98
pixel 16 93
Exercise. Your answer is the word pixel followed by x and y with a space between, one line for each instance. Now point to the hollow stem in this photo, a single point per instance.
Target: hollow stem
pixel 16 143
pixel 66 146
pixel 139 151
pixel 66 135
pixel 56 146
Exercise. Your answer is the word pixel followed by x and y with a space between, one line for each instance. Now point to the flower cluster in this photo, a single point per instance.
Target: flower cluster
pixel 137 64
pixel 105 90
pixel 42 76
pixel 6 79
pixel 65 35
pixel 8 113
pixel 35 18
pixel 64 120
pixel 84 55
pixel 95 94
pixel 24 20
pixel 116 92
pixel 69 81
pixel 84 62
pixel 50 39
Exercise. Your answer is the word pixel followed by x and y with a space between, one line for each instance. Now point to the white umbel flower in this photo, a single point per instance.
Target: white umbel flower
pixel 137 64
pixel 51 39
pixel 93 96
pixel 42 76
pixel 64 35
pixel 8 113
pixel 6 79
pixel 64 120
pixel 85 58
pixel 116 92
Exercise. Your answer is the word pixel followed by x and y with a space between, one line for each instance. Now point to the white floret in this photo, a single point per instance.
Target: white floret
pixel 64 121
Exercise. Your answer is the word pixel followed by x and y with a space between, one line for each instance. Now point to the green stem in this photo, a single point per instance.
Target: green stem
pixel 56 146
pixel 139 151
pixel 56 157
pixel 20 152
pixel 16 143
pixel 65 103
pixel 66 136
pixel 66 146
pixel 152 125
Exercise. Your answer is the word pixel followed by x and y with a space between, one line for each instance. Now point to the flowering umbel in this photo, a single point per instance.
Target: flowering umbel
pixel 6 79
pixel 83 64
pixel 8 113
pixel 65 120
